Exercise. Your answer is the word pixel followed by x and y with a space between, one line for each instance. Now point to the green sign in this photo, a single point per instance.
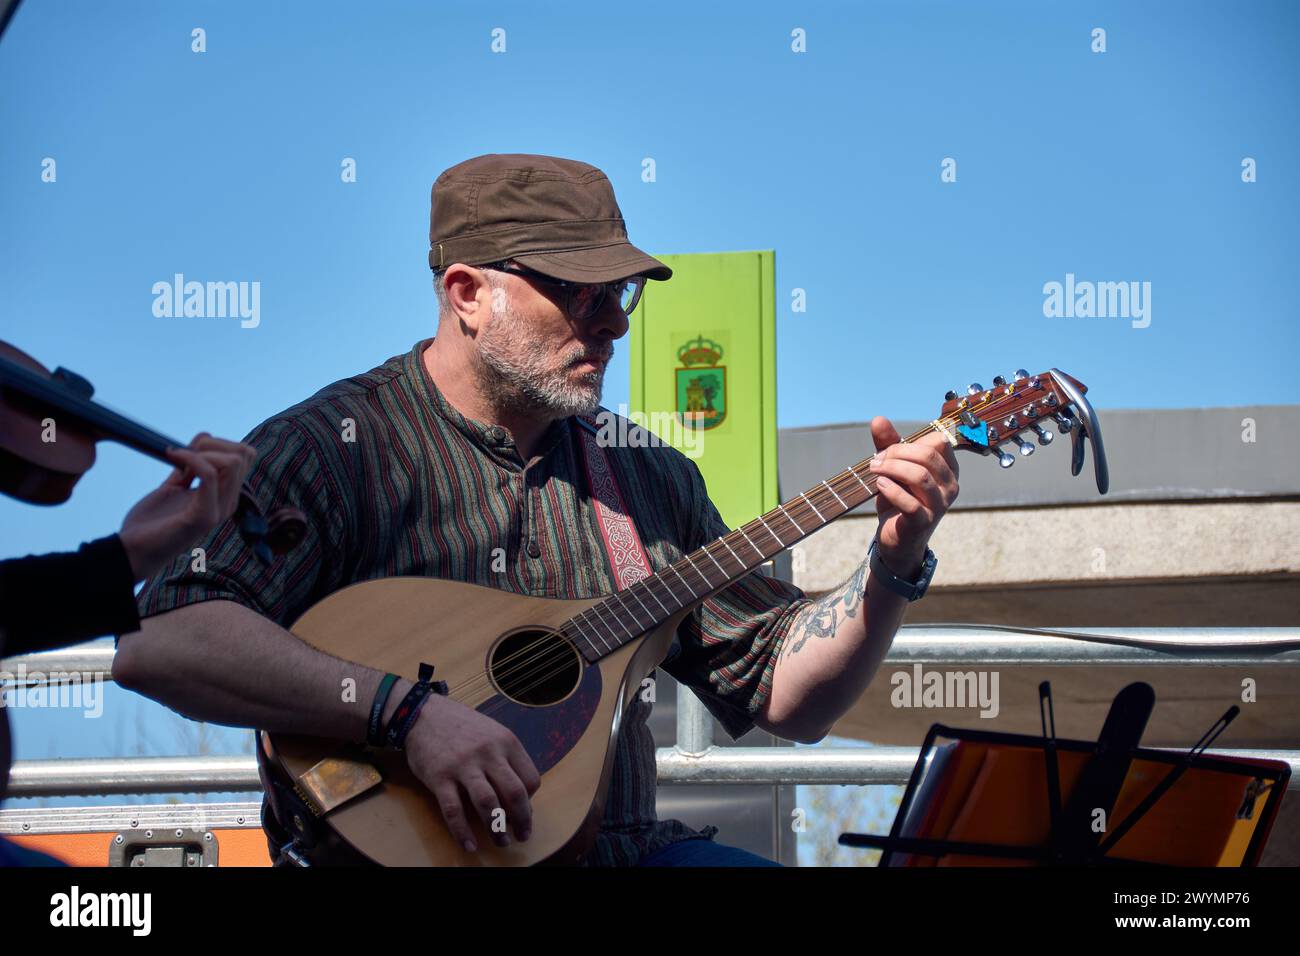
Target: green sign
pixel 703 351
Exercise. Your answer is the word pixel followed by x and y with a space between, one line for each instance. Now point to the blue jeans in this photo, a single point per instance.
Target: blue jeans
pixel 11 854
pixel 703 853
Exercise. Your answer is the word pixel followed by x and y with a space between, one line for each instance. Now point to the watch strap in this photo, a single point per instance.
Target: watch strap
pixel 911 590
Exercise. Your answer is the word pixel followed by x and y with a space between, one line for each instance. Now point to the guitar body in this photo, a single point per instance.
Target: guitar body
pixel 500 654
pixel 568 721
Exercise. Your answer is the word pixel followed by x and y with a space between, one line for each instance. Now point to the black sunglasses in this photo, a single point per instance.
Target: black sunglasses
pixel 583 300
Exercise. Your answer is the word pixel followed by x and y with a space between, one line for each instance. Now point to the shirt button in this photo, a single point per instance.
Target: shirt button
pixel 495 434
pixel 534 549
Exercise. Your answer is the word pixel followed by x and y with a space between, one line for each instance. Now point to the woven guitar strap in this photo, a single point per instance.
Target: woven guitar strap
pixel 622 543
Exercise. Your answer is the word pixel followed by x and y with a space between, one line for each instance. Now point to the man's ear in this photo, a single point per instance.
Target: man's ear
pixel 469 294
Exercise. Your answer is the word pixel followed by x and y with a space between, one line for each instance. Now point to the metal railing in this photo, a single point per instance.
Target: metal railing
pixel 694 758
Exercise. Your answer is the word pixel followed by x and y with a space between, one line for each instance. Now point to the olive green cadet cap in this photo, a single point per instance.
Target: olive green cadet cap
pixel 554 216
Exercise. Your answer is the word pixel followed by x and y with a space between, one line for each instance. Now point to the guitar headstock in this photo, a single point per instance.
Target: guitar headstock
pixel 991 420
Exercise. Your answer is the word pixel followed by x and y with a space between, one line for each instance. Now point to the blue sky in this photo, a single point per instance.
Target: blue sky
pixel 1115 166
pixel 225 165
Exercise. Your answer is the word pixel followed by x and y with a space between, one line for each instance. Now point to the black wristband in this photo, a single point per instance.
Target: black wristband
pixel 409 709
pixel 375 728
pixel 911 590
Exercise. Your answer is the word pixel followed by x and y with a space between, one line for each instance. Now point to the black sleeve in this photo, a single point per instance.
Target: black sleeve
pixel 51 600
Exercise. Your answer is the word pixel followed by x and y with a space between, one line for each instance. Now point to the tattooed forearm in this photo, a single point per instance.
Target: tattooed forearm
pixel 855 589
pixel 822 617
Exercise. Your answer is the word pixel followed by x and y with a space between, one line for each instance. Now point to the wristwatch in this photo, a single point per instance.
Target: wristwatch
pixel 912 590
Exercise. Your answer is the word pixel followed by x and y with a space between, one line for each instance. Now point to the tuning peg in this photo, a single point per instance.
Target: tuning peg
pixel 1026 449
pixel 974 388
pixel 967 419
pixel 999 381
pixel 1065 421
pixel 1044 436
pixel 1005 460
pixel 949 395
pixel 1021 375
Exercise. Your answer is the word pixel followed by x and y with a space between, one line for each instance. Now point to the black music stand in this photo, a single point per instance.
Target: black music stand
pixel 1072 840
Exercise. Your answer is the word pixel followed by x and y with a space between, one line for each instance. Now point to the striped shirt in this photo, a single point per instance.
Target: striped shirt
pixel 395 481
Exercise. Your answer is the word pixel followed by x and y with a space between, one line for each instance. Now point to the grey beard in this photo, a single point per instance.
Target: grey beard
pixel 521 388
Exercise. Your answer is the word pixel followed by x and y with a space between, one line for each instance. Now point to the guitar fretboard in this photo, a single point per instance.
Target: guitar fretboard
pixel 643 606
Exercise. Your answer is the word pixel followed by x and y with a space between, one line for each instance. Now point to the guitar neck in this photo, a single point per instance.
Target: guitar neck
pixel 53 396
pixel 641 607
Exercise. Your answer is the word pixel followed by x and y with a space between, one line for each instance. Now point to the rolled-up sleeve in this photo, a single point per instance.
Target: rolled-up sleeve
pixel 729 645
pixel 290 471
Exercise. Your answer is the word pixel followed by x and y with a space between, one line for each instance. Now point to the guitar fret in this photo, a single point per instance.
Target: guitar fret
pixel 636 620
pixel 790 519
pixel 837 497
pixel 725 575
pixel 770 531
pixel 651 592
pixel 603 630
pixel 585 645
pixel 649 613
pixel 578 619
pixel 578 638
pixel 699 572
pixel 683 580
pixel 805 497
pixel 751 543
pixel 671 593
pixel 733 553
pixel 854 473
pixel 596 608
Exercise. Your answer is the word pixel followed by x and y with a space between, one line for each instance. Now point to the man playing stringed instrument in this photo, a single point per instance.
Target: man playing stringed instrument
pixel 462 460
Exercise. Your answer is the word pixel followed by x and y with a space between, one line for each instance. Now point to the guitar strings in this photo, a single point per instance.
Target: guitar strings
pixel 555 657
pixel 947 420
pixel 557 654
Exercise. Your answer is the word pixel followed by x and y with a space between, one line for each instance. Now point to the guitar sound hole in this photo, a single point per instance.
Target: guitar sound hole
pixel 535 668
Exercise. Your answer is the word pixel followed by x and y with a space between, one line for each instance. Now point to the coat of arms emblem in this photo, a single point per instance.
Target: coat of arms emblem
pixel 701 384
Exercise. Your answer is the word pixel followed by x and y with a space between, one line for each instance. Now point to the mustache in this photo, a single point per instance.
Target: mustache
pixel 602 356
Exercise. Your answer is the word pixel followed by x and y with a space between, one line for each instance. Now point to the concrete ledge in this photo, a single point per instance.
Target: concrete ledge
pixel 1154 454
pixel 1094 545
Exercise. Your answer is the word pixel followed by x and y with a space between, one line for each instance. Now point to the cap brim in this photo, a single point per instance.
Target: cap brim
pixel 602 264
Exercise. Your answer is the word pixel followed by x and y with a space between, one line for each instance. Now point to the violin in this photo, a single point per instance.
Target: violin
pixel 48 430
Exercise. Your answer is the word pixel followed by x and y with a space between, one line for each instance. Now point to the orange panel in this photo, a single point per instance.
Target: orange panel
pixel 235 847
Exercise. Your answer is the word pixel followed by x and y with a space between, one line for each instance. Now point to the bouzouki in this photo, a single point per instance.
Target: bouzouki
pixel 560 673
